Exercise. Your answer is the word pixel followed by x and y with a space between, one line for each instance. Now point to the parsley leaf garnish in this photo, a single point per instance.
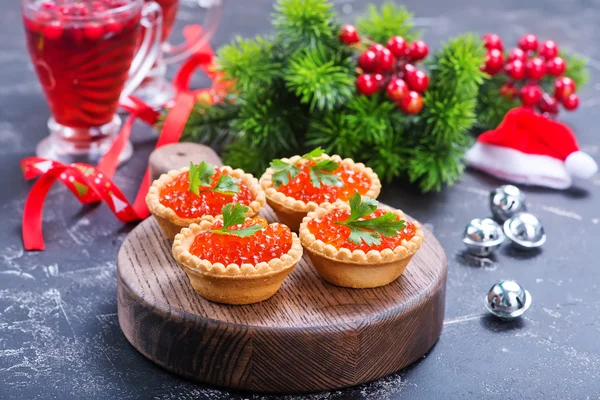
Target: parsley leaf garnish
pixel 201 175
pixel 371 230
pixel 284 172
pixel 320 174
pixel 234 214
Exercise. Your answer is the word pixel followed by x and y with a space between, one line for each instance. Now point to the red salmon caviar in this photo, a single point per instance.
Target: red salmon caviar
pixel 325 229
pixel 176 196
pixel 270 242
pixel 301 188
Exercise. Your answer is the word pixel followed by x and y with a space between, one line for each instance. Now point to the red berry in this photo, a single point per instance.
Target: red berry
pixel 376 48
pixel 412 103
pixel 367 84
pixel 494 60
pixel 408 68
pixel 417 80
pixel 536 68
pixel 397 89
pixel 80 9
pixel 508 90
pixel 515 69
pixel 379 79
pixel 53 30
pixel 417 50
pixel 517 54
pixel 528 42
pixel 548 104
pixel 571 102
pixel 367 61
pixel 385 60
pixel 564 87
pixel 530 94
pixel 548 49
pixel 492 41
pixel 556 66
pixel 397 45
pixel 349 35
pixel 93 31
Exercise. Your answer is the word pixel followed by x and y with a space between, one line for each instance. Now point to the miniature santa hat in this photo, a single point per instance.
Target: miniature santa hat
pixel 531 149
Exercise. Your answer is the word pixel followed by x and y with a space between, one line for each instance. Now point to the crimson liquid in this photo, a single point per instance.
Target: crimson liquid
pixel 169 10
pixel 82 52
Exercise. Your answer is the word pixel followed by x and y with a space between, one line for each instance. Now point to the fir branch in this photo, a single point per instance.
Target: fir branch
pixel 576 68
pixel 209 124
pixel 449 113
pixel 248 62
pixel 372 118
pixel 433 166
pixel 303 23
pixel 390 20
pixel 491 106
pixel 333 133
pixel 320 78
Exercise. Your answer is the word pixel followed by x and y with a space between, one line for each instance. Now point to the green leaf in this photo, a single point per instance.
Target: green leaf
pixel 318 152
pixel 233 215
pixel 284 172
pixel 370 238
pixel 200 175
pixel 361 207
pixel 322 173
pixel 370 230
pixel 227 185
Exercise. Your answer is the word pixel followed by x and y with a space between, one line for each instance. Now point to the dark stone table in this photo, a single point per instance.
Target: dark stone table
pixel 59 334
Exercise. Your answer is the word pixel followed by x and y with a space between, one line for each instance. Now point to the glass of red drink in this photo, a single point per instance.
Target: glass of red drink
pixel 155 90
pixel 87 55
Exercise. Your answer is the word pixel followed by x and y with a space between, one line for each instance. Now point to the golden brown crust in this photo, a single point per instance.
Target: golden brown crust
pixel 181 252
pixel 171 223
pixel 374 257
pixel 279 200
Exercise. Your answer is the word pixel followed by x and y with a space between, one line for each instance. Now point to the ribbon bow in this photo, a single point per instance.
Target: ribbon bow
pixel 93 184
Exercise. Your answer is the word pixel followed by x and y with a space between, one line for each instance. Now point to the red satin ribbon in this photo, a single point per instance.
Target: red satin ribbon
pixel 92 184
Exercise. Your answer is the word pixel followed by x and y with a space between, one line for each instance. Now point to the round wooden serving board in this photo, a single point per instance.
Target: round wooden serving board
pixel 309 336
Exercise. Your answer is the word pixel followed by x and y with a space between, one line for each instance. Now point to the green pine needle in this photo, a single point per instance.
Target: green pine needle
pixel 491 106
pixel 303 23
pixel 380 24
pixel 248 62
pixel 320 78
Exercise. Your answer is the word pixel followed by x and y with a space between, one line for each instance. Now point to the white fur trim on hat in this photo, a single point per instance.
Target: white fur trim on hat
pixel 515 166
pixel 581 165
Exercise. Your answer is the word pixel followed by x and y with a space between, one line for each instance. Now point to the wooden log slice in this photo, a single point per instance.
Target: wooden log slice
pixel 310 336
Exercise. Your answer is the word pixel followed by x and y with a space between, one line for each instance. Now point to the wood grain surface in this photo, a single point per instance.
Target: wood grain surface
pixel 310 336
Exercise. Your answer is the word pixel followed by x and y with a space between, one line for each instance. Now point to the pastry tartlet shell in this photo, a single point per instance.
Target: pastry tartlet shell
pixel 357 269
pixel 171 224
pixel 232 284
pixel 291 211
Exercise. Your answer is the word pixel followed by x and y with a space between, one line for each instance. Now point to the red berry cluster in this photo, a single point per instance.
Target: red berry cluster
pixel 525 66
pixel 391 68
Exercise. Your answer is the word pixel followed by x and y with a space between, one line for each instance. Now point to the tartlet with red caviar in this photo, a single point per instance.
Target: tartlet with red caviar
pixel 299 185
pixel 358 244
pixel 237 260
pixel 183 197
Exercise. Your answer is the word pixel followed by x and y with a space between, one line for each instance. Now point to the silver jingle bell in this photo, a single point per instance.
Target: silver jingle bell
pixel 506 201
pixel 483 236
pixel 525 230
pixel 507 300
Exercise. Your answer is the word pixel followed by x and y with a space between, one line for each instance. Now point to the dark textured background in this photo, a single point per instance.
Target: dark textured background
pixel 59 334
